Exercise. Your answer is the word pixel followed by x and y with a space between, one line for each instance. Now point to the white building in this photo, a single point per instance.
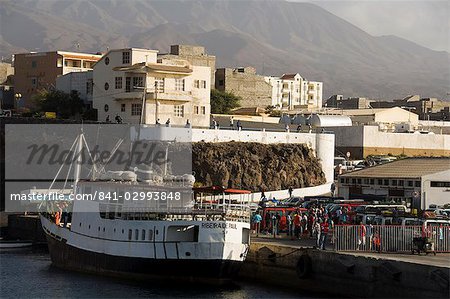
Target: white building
pixel 77 81
pixel 174 89
pixel 292 91
pixel 419 182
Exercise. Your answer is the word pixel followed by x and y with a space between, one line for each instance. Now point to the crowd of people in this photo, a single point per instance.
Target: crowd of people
pixel 316 222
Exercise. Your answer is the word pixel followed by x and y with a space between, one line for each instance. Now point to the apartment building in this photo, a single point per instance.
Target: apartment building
pixel 245 83
pixel 80 82
pixel 36 71
pixel 292 91
pixel 196 55
pixel 125 81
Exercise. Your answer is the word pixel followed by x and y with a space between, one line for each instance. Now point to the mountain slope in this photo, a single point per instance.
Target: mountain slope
pixel 274 36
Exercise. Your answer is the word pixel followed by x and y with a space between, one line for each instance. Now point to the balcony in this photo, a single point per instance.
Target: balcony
pixel 171 95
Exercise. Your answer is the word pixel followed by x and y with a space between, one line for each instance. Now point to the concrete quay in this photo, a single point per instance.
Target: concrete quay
pixel 297 265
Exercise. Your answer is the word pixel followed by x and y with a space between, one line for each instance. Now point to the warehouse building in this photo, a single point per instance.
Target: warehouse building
pixel 418 182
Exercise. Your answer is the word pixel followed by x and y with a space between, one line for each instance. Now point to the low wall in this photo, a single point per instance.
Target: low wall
pixel 282 194
pixel 343 274
pixel 362 141
pixel 322 144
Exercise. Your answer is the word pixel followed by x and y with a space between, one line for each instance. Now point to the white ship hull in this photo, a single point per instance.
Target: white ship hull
pixel 105 248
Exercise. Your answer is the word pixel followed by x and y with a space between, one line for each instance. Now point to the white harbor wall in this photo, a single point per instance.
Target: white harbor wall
pixel 362 141
pixel 410 144
pixel 322 144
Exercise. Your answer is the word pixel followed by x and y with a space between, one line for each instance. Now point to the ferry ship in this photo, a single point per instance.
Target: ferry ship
pixel 205 241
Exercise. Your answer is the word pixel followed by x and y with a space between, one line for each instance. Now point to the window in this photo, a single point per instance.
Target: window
pixel 410 183
pixel 196 111
pixel 143 234
pixel 394 182
pixel 417 183
pixel 203 110
pixel 59 62
pixel 400 183
pixel 386 182
pixel 130 234
pixel 136 234
pixel 436 184
pixel 89 84
pixel 34 82
pixel 220 82
pixel 359 181
pixel 107 60
pixel 342 180
pixel 106 107
pixel 136 109
pixel 179 84
pixel 127 84
pixel 87 64
pixel 106 86
pixel 118 82
pixel 33 64
pixel 122 107
pixel 125 57
pixel 138 82
pixel 372 181
pixel 200 84
pixel 150 234
pixel 178 110
pixel 159 85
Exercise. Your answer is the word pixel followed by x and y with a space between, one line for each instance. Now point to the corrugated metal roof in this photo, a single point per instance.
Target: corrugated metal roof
pixel 404 168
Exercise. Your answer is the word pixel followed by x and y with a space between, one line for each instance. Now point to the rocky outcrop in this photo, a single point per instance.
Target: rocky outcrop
pixel 253 166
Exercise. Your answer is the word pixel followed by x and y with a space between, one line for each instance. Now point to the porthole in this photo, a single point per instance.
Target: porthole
pixel 106 86
pixel 188 253
pixel 106 107
pixel 89 226
pixel 107 60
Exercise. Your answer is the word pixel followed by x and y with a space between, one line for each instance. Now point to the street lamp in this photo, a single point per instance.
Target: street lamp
pixel 17 98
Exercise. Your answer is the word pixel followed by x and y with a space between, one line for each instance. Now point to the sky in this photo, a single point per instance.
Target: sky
pixel 425 22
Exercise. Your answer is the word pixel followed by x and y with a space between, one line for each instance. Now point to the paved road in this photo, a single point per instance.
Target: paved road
pixel 440 260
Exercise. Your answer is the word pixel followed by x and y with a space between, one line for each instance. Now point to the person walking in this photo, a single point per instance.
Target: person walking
pixel 362 236
pixel 297 223
pixel 323 234
pixel 257 223
pixel 168 122
pixel 289 224
pixel 290 190
pixel 316 232
pixel 231 123
pixel 332 189
pixel 238 125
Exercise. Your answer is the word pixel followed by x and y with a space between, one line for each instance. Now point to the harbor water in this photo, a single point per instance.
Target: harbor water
pixel 28 274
